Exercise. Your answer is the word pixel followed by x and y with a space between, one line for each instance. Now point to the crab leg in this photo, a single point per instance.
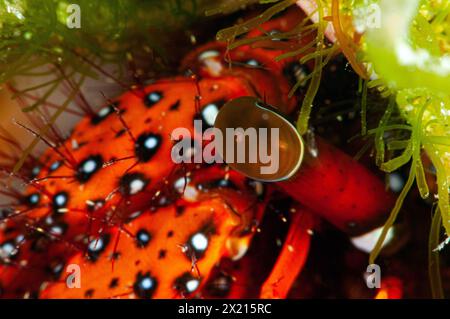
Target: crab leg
pixel 339 189
pixel 292 258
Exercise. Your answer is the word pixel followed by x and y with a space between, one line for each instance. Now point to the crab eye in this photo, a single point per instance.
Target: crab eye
pixel 265 145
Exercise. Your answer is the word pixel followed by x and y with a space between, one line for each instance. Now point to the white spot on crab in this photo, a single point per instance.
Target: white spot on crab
pixel 104 111
pixel 146 283
pixel 180 184
pixel 253 63
pixel 36 170
pixel 7 250
pixel 154 97
pixel 209 113
pixel 55 165
pixel 151 143
pixel 96 245
pixel 34 199
pixel 199 242
pixel 136 186
pixel 89 166
pixel 56 230
pixel 190 193
pixel 60 199
pixel 192 285
pixel 20 238
pixel 75 144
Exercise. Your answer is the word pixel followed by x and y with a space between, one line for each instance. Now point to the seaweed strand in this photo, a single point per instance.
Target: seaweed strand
pixel 433 256
pixel 303 118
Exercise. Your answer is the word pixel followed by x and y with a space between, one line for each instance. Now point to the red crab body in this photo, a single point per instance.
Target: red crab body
pixel 112 201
